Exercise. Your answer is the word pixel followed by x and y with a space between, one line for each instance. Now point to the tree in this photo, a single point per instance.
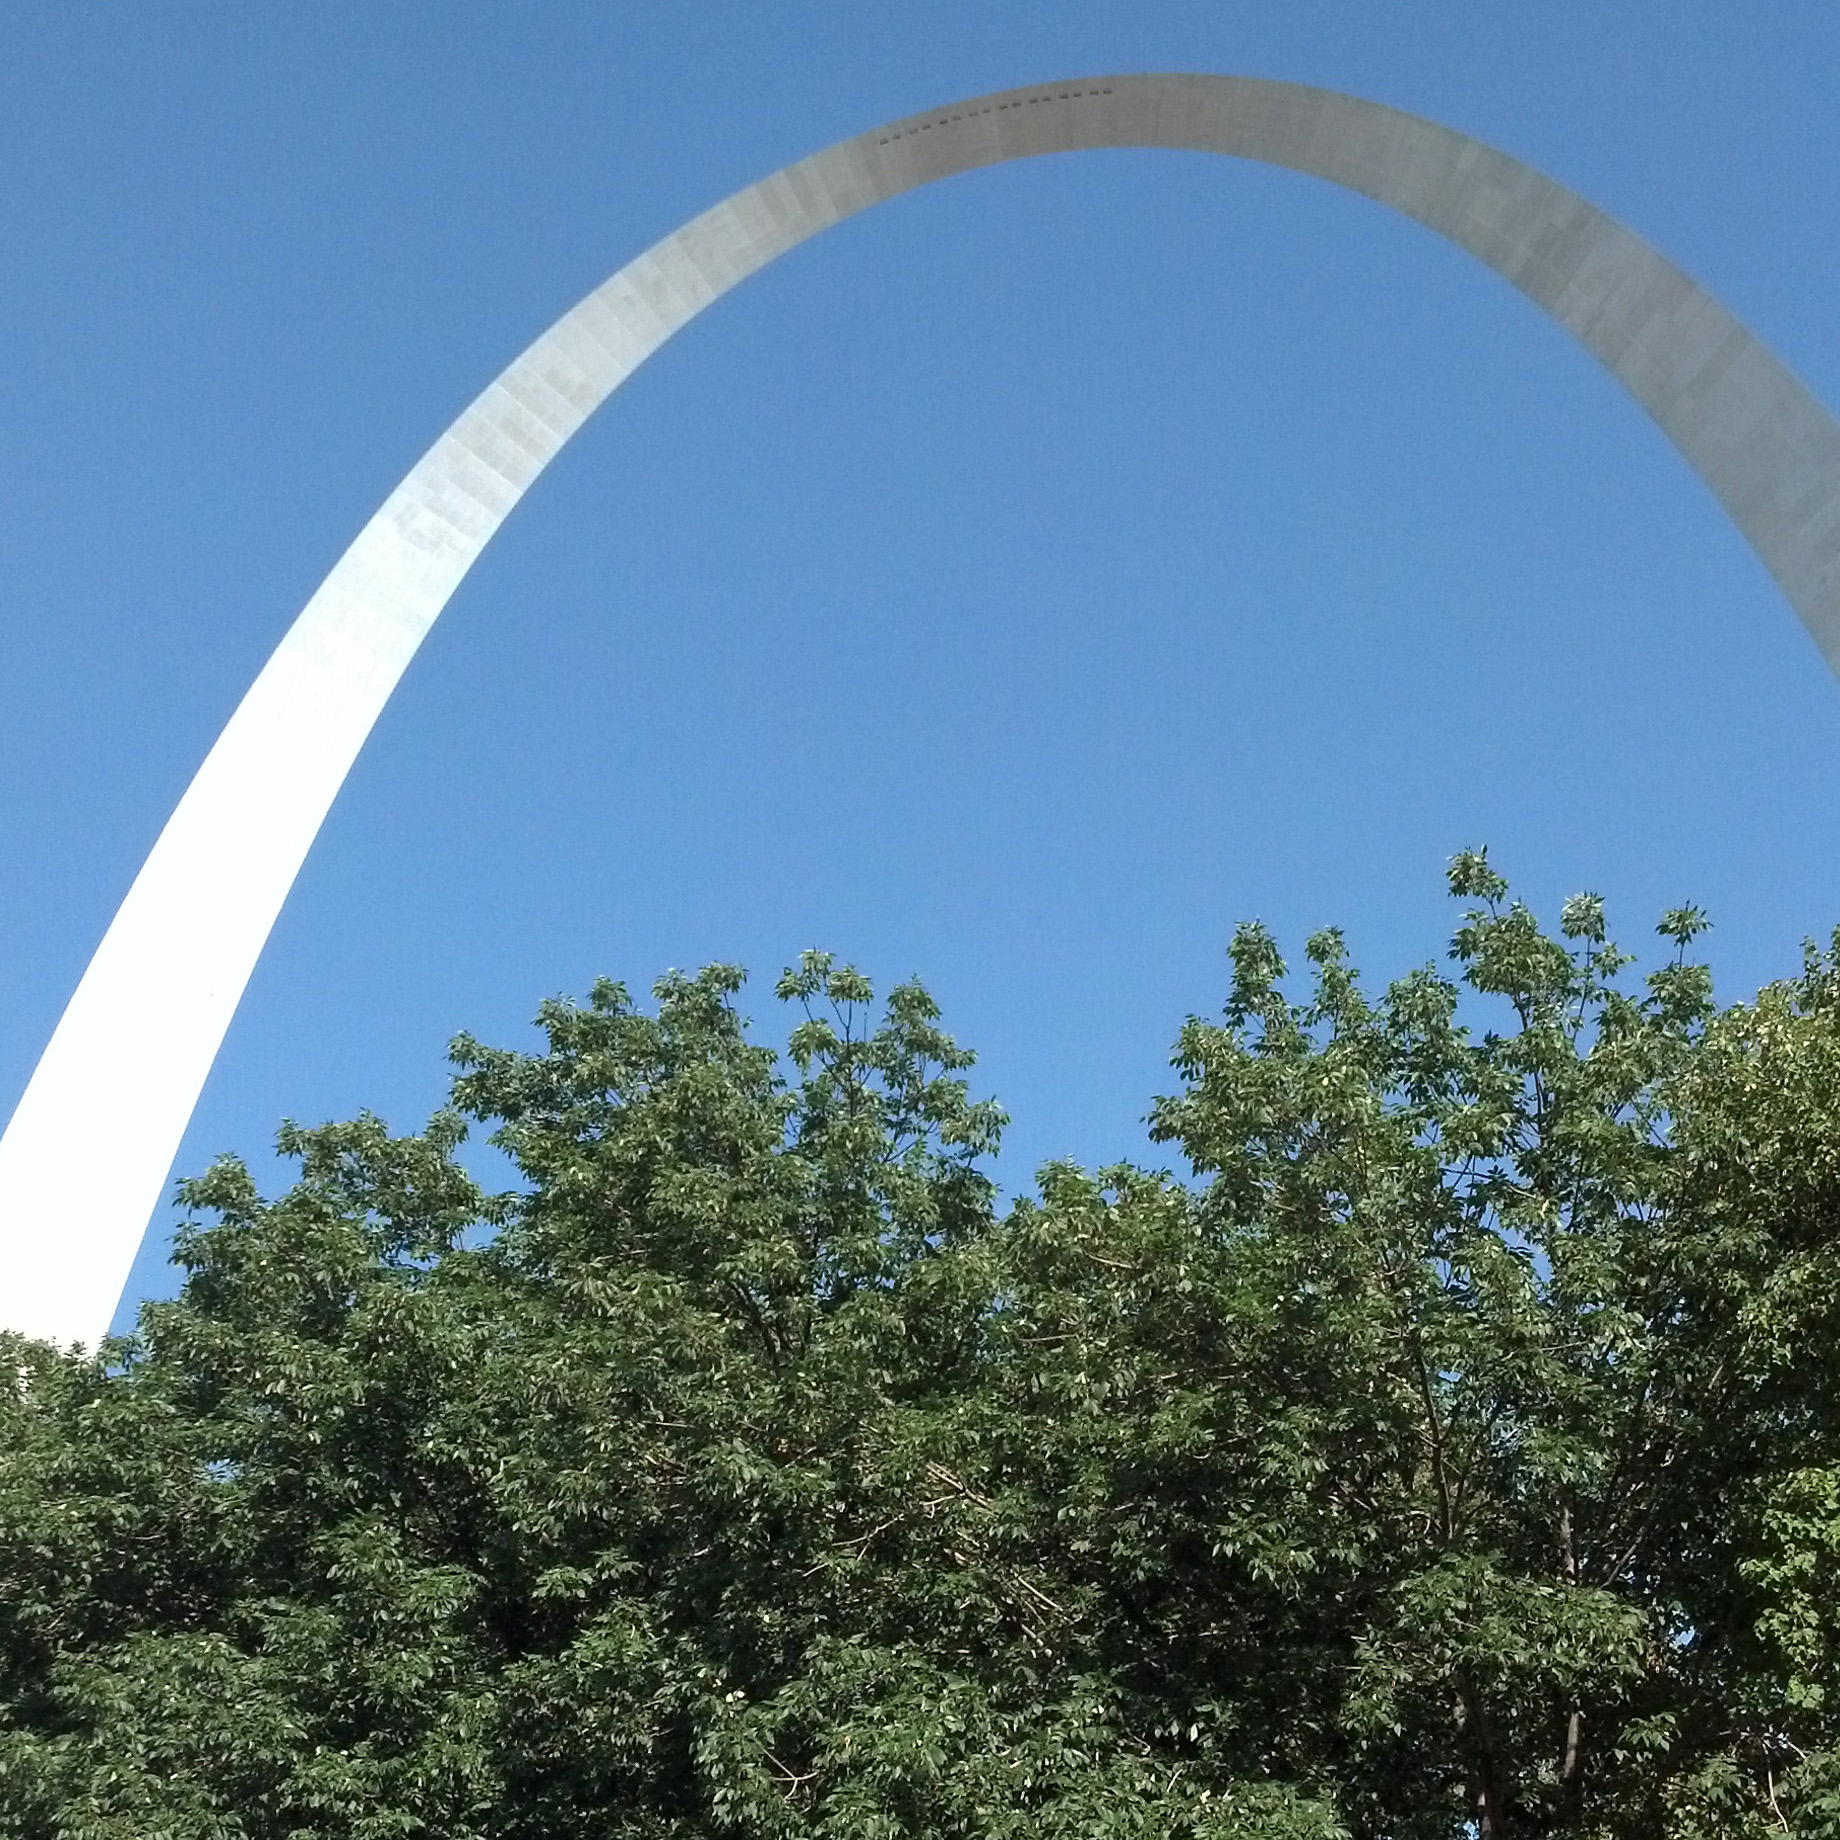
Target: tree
pixel 1455 1451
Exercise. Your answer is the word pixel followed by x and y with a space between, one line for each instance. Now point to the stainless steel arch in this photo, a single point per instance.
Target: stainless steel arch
pixel 138 1038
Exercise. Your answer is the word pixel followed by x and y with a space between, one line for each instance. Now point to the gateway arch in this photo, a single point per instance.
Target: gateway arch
pixel 139 1035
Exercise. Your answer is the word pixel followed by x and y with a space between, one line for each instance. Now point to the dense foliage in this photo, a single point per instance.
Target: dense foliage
pixel 1457 1451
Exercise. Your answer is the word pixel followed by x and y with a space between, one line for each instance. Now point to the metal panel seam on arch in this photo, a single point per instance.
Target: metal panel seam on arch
pixel 138 1038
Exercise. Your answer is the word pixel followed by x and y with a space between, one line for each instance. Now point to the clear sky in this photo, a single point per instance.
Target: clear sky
pixel 1017 586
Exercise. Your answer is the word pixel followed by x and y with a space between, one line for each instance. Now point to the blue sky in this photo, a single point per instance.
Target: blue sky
pixel 1017 586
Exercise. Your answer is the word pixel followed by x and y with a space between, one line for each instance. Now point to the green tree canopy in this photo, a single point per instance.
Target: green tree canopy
pixel 1455 1450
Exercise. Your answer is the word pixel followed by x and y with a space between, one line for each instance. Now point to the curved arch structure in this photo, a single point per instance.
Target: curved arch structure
pixel 138 1038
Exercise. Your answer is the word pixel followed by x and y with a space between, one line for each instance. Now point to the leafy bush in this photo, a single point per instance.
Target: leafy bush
pixel 1457 1452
